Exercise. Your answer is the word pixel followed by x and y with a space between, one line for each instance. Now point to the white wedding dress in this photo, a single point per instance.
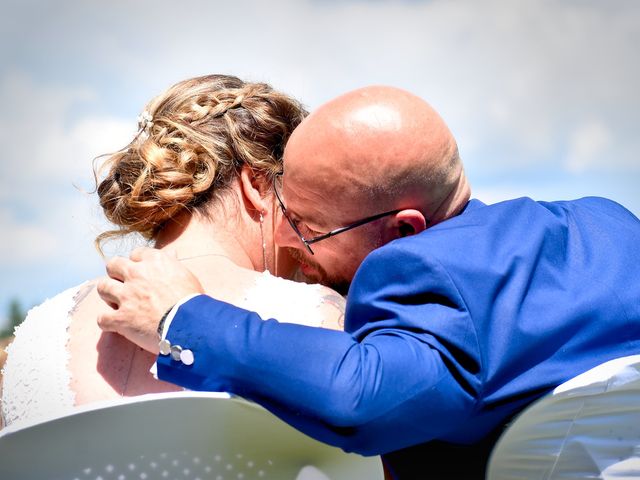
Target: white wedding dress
pixel 36 377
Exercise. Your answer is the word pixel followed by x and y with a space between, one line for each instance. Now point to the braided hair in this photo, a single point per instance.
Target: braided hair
pixel 193 140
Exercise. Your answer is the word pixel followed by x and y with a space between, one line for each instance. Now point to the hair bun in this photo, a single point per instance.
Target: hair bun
pixel 192 141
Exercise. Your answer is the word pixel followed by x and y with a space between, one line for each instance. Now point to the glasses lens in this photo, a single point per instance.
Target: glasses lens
pixel 277 184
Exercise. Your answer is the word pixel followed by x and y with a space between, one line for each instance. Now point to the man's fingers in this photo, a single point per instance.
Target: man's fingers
pixel 140 289
pixel 117 268
pixel 110 291
pixel 106 322
pixel 141 253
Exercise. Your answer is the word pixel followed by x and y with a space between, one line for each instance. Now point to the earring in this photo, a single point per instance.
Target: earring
pixel 264 244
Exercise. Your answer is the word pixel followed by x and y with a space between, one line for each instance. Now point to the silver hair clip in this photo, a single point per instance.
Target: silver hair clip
pixel 145 122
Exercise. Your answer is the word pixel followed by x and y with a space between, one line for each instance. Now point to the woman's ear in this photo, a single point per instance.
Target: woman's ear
pixel 255 188
pixel 405 223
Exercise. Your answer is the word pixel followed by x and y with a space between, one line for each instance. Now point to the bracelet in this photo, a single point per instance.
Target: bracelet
pixel 162 320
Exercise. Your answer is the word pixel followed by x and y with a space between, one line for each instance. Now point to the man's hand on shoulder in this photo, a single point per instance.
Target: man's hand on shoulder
pixel 140 290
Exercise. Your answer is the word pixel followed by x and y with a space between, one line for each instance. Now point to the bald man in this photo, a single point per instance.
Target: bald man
pixel 459 314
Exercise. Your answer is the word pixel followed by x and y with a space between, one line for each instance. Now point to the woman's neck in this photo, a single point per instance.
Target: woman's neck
pixel 192 236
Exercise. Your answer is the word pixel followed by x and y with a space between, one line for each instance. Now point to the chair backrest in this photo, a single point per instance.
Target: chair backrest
pixel 588 427
pixel 185 435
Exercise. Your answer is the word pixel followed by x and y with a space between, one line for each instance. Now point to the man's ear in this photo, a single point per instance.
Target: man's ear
pixel 405 223
pixel 254 187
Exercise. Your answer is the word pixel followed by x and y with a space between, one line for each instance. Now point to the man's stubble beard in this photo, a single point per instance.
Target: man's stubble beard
pixel 321 276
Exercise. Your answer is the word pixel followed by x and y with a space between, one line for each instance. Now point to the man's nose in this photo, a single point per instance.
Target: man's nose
pixel 284 234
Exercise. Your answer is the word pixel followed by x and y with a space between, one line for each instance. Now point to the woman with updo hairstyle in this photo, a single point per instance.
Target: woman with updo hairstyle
pixel 196 181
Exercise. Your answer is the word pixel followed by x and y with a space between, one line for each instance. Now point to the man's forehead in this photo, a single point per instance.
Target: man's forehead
pixel 305 183
pixel 312 198
pixel 298 186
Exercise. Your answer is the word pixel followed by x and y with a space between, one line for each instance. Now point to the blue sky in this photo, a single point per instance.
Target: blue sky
pixel 541 95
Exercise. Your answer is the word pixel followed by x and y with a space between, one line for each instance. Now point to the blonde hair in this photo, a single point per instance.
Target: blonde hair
pixel 196 137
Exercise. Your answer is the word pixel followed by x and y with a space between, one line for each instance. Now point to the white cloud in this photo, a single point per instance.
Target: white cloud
pixel 538 69
pixel 514 76
pixel 561 188
pixel 46 162
pixel 499 193
pixel 587 145
pixel 22 243
pixel 76 146
pixel 43 139
pixel 30 108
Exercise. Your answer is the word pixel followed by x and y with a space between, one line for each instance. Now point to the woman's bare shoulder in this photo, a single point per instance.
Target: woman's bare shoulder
pixel 87 302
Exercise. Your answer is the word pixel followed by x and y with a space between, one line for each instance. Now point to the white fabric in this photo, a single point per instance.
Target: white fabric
pixel 284 300
pixel 588 427
pixel 268 297
pixel 35 376
pixel 36 381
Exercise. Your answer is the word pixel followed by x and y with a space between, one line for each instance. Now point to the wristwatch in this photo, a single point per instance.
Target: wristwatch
pixel 162 320
pixel 164 345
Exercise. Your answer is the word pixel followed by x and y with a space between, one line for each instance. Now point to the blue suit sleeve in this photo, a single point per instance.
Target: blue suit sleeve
pixel 404 376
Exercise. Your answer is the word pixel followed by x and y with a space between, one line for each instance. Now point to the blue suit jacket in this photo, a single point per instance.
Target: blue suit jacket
pixel 449 332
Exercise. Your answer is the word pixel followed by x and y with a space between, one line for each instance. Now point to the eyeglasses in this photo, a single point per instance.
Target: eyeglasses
pixel 308 241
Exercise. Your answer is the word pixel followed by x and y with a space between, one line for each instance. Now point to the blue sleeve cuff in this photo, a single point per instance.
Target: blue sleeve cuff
pixel 165 328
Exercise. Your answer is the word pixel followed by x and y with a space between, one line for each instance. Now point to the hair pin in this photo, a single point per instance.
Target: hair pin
pixel 145 122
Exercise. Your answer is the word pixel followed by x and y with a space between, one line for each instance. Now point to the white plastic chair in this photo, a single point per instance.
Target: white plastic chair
pixel 588 427
pixel 184 435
